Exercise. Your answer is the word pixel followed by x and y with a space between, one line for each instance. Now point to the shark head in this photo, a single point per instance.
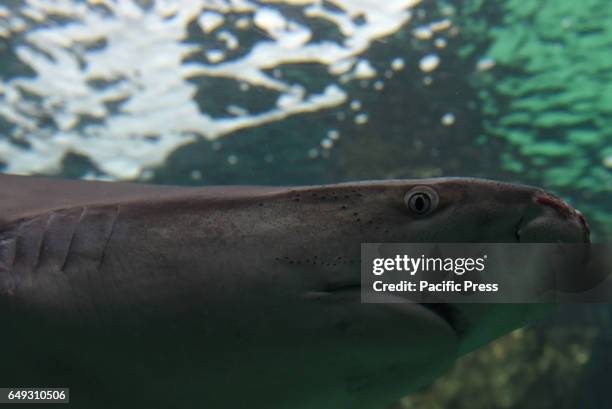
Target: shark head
pixel 421 211
pixel 473 210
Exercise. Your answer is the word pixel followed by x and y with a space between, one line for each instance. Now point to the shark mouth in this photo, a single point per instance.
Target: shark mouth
pixel 449 313
pixel 452 315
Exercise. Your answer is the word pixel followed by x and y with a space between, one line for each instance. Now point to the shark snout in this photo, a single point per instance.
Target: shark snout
pixel 549 219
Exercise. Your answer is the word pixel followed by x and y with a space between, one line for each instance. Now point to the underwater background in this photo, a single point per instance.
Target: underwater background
pixel 286 92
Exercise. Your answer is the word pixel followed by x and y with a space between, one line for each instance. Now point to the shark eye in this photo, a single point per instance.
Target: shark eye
pixel 421 200
pixel 419 203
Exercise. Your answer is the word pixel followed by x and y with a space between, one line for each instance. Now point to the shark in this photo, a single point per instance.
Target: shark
pixel 223 297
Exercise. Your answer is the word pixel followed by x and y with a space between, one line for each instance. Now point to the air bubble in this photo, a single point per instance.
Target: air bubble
pixel 440 42
pixel 361 119
pixel 429 63
pixel 485 63
pixel 448 119
pixel 333 134
pixel 422 33
pixel 397 64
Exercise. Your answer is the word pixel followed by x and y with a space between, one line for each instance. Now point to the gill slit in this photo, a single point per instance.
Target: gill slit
pixel 72 236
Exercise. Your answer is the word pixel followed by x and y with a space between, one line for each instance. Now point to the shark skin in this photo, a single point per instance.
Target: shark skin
pixel 243 297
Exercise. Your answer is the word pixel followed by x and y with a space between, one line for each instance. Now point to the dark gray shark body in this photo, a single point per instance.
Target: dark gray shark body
pixel 229 297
